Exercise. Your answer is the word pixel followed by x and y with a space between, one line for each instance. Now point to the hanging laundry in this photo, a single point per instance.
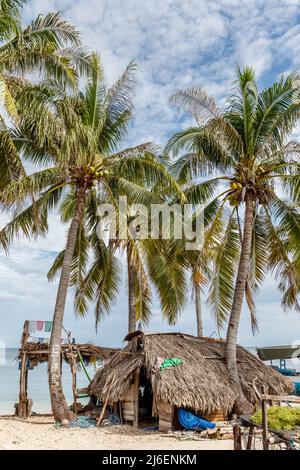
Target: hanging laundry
pixel 93 359
pixel 32 326
pixel 40 325
pixel 48 326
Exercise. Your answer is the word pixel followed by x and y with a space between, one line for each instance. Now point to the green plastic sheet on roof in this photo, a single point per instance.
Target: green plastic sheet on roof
pixel 172 362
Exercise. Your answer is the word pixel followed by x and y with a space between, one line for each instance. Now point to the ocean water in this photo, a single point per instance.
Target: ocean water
pixel 37 383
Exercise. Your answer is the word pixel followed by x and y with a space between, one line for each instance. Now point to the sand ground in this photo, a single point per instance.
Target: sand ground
pixel 41 433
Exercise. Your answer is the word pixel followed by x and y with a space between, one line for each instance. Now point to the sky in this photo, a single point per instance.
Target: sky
pixel 176 44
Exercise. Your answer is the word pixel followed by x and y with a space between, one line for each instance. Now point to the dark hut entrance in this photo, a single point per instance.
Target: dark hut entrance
pixel 145 409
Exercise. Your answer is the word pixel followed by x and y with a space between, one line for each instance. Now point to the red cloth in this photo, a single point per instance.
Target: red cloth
pixel 40 325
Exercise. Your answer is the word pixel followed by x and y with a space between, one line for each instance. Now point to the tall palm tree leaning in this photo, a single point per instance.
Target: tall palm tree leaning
pixel 47 47
pixel 245 147
pixel 76 136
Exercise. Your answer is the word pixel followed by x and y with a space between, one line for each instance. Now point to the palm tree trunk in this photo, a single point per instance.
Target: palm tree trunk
pixel 131 294
pixel 234 319
pixel 198 310
pixel 59 405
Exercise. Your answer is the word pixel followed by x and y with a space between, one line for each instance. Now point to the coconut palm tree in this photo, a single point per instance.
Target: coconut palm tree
pixel 47 47
pixel 96 272
pixel 76 137
pixel 245 148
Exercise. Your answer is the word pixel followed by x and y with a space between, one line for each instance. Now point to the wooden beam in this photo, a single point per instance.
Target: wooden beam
pixel 250 438
pixel 277 398
pixel 136 398
pixel 72 361
pixel 265 424
pixel 120 411
pixel 237 436
pixel 22 406
pixel 101 417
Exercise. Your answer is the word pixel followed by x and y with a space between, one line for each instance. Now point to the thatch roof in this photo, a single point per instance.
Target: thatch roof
pixel 39 352
pixel 201 383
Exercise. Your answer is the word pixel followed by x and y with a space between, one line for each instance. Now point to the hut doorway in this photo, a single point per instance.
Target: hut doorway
pixel 145 400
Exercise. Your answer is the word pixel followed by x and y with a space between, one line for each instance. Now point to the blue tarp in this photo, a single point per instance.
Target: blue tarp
pixel 190 421
pixel 297 388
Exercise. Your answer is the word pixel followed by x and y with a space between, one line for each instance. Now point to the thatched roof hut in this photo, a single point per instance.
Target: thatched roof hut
pixel 201 383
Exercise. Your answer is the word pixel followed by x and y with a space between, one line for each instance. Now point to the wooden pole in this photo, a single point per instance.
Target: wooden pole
pixel 22 406
pixel 250 438
pixel 74 386
pixel 106 401
pixel 265 424
pixel 103 411
pixel 237 437
pixel 120 411
pixel 136 398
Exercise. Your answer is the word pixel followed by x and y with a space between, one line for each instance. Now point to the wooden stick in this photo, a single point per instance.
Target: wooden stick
pixel 120 411
pixel 136 398
pixel 73 372
pixel 250 438
pixel 100 419
pixel 265 424
pixel 237 437
pixel 276 399
pixel 22 407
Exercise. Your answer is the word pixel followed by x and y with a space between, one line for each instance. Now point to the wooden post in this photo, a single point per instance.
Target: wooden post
pixel 120 411
pixel 250 438
pixel 103 411
pixel 237 437
pixel 72 360
pixel 136 398
pixel 22 407
pixel 265 424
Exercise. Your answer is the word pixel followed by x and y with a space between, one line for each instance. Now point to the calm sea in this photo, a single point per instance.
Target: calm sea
pixel 37 383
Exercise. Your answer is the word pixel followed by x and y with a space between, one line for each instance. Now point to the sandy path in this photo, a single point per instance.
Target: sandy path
pixel 40 433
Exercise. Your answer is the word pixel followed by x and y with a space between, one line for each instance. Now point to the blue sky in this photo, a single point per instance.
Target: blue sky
pixel 176 44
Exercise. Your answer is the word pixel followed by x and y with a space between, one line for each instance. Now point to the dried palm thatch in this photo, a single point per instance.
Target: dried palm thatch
pixel 39 352
pixel 200 383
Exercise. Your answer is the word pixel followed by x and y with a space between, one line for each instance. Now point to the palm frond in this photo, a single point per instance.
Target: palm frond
pixel 197 103
pixel 221 291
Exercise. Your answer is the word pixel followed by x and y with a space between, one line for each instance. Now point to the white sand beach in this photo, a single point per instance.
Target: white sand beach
pixel 40 433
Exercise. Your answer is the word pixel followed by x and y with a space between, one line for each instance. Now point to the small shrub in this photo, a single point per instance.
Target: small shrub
pixel 280 418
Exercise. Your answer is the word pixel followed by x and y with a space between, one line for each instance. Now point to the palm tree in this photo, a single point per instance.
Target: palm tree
pixel 47 47
pixel 76 136
pixel 196 263
pixel 245 148
pixel 147 265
